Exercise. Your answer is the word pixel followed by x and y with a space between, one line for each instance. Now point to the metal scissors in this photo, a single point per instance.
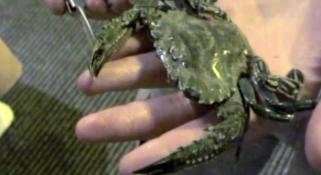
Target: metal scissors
pixel 78 11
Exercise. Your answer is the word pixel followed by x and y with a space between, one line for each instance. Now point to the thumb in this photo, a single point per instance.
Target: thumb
pixel 313 139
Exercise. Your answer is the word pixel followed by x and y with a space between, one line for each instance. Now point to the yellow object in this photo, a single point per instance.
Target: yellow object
pixel 10 71
pixel 6 117
pixel 10 68
pixel 214 68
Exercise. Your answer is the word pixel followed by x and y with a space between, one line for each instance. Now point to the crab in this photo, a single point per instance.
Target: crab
pixel 211 61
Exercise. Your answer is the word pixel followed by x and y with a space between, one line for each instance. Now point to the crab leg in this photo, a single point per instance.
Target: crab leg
pixel 215 141
pixel 267 86
pixel 298 105
pixel 289 86
pixel 250 98
pixel 288 107
pixel 288 89
pixel 113 35
pixel 296 75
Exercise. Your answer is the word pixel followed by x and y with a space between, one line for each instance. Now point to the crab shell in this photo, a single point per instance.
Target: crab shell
pixel 205 57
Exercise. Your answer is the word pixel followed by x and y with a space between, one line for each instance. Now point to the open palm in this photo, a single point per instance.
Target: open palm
pixel 285 33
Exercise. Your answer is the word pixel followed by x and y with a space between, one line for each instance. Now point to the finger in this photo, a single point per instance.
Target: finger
pixel 138 43
pixel 58 7
pixel 162 146
pixel 103 9
pixel 138 120
pixel 313 139
pixel 144 70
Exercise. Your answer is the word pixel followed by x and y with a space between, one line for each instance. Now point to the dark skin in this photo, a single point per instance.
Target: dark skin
pixel 285 33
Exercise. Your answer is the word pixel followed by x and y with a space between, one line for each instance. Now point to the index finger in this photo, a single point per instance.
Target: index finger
pixel 94 8
pixel 58 7
pixel 104 9
pixel 138 120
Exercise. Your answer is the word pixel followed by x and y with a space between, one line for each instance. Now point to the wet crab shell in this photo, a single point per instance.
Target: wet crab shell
pixel 205 57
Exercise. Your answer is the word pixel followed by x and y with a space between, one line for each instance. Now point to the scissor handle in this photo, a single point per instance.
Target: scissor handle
pixel 71 6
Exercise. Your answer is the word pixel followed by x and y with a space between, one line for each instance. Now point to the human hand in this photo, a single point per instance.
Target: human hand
pixel 99 9
pixel 281 32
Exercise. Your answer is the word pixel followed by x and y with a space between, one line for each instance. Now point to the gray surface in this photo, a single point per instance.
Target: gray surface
pixel 48 104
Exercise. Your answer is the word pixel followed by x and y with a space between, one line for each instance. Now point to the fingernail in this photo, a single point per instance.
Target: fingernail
pixel 85 80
